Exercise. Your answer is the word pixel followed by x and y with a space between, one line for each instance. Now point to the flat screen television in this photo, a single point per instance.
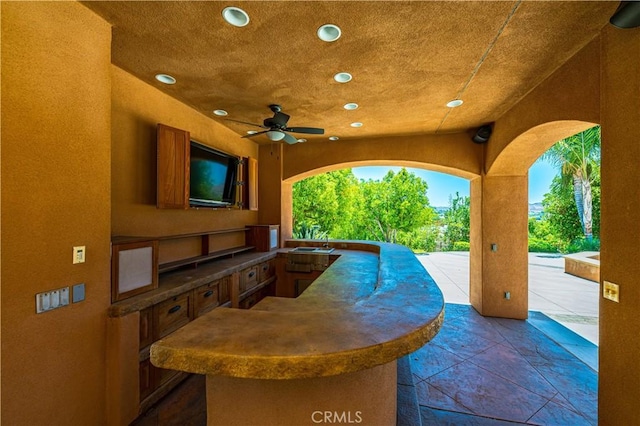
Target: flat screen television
pixel 213 177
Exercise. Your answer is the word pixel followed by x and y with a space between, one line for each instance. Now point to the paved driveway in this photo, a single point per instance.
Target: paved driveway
pixel 569 300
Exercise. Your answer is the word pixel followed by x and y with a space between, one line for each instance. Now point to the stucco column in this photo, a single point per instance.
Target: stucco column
pixel 274 195
pixel 499 236
pixel 619 370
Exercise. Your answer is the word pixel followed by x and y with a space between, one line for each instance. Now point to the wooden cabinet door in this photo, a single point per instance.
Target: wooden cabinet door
pixel 247 195
pixel 173 168
pixel 252 183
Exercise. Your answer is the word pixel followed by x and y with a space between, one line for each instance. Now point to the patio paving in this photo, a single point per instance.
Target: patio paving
pixel 494 371
pixel 569 300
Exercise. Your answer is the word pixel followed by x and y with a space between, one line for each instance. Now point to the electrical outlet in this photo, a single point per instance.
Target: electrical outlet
pixel 79 253
pixel 611 291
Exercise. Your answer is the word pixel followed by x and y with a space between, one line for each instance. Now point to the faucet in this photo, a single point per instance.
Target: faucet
pixel 326 241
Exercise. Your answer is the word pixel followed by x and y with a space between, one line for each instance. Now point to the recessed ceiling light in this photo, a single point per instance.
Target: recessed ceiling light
pixel 356 124
pixel 329 32
pixel 235 16
pixel 351 106
pixel 165 78
pixel 333 138
pixel 252 132
pixel 302 140
pixel 454 103
pixel 220 112
pixel 342 77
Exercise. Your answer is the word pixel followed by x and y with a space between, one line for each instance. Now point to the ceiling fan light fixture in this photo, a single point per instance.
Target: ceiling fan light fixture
pixel 343 77
pixel 351 106
pixel 455 103
pixel 220 112
pixel 235 16
pixel 329 33
pixel 302 140
pixel 165 78
pixel 627 15
pixel 333 138
pixel 356 124
pixel 275 135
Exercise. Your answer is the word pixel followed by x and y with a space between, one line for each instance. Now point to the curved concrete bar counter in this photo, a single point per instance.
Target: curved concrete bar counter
pixel 329 352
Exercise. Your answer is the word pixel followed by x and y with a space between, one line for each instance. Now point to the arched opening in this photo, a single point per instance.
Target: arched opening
pixel 391 203
pixel 553 287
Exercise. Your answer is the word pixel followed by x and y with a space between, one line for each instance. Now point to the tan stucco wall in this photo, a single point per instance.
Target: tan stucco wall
pixel 366 397
pixel 569 96
pixel 455 154
pixel 55 195
pixel 619 366
pixel 499 216
pixel 137 109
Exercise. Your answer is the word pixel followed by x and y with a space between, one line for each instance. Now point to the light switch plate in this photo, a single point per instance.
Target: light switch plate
pixel 53 299
pixel 79 254
pixel 611 291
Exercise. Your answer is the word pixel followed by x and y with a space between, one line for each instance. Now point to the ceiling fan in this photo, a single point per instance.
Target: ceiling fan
pixel 277 127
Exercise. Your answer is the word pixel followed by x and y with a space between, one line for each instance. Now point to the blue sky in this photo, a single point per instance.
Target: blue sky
pixel 442 185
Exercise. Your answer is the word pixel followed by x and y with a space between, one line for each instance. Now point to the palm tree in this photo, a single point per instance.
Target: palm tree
pixel 578 158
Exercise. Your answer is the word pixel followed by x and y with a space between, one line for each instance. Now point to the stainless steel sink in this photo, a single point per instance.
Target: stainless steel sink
pixel 314 250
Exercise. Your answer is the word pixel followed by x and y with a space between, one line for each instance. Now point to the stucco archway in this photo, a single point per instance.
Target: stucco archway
pixel 389 163
pixel 499 281
pixel 518 156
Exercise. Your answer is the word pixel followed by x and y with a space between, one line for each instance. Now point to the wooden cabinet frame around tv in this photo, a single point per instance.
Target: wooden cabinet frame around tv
pixel 173 163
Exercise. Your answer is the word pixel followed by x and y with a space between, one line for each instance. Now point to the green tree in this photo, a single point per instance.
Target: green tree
pixel 326 203
pixel 561 213
pixel 396 204
pixel 456 221
pixel 578 157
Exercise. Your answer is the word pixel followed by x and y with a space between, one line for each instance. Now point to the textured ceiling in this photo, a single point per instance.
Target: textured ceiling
pixel 408 59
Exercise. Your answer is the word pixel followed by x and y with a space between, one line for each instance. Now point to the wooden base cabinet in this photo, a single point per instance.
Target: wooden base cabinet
pixel 135 384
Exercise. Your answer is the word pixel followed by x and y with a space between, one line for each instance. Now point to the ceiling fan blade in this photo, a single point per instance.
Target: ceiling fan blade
pixel 289 139
pixel 244 122
pixel 280 118
pixel 309 130
pixel 255 134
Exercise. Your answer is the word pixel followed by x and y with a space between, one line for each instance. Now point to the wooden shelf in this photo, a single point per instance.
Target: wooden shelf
pixel 198 259
pixel 201 234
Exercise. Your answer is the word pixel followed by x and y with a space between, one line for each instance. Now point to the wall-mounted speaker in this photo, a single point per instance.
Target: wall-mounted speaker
pixel 482 134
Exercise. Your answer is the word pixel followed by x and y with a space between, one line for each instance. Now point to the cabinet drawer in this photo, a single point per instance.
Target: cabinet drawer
pixel 248 278
pixel 171 314
pixel 146 379
pixel 266 270
pixel 206 298
pixel 161 375
pixel 248 302
pixel 146 328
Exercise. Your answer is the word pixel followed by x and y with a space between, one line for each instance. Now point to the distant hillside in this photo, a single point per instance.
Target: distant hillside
pixel 535 210
pixel 440 211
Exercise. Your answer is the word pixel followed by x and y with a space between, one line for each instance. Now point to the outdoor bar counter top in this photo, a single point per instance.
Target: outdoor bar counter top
pixel 373 305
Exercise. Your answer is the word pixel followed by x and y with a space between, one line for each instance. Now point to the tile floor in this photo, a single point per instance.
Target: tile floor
pixel 492 371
